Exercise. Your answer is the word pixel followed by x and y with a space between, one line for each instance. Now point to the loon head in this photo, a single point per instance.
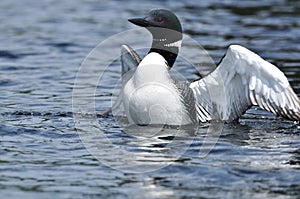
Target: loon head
pixel 166 31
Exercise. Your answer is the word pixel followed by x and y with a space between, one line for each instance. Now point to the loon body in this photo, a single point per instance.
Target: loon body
pixel 242 79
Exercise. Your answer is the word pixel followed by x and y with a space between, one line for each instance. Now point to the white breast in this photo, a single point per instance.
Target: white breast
pixel 150 97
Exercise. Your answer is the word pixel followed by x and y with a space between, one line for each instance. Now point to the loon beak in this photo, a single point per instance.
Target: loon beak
pixel 143 22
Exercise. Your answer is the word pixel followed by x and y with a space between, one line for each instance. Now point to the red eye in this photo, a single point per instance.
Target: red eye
pixel 159 20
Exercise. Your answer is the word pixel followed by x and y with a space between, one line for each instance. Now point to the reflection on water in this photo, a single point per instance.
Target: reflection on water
pixel 43 154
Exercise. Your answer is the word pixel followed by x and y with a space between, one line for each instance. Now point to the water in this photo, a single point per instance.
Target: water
pixel 43 44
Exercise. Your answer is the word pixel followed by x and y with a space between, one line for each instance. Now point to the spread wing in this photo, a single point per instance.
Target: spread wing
pixel 241 80
pixel 129 60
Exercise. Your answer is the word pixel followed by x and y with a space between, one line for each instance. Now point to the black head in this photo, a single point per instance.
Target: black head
pixel 159 18
pixel 166 30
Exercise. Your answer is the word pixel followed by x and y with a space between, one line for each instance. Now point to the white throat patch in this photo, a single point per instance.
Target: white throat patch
pixel 174 44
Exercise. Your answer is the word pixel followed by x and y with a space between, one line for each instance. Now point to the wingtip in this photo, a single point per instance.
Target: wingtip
pixel 238 49
pixel 125 49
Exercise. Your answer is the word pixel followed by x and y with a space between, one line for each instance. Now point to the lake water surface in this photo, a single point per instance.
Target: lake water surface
pixel 46 151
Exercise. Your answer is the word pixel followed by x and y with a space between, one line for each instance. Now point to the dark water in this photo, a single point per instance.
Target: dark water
pixel 42 46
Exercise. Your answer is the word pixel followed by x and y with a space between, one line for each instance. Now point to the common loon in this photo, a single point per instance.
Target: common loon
pixel 242 79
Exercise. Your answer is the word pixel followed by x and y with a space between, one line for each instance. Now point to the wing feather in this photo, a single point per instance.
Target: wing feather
pixel 246 79
pixel 130 61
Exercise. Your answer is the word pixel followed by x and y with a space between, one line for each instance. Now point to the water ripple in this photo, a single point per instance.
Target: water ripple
pixel 42 154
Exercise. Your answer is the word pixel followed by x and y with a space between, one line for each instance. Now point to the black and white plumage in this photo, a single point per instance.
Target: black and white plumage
pixel 246 79
pixel 156 98
pixel 241 80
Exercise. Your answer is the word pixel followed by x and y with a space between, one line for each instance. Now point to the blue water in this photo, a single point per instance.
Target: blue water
pixel 44 155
